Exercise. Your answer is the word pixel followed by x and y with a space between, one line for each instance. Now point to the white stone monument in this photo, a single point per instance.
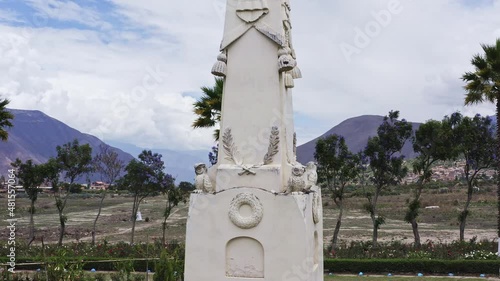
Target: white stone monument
pixel 257 214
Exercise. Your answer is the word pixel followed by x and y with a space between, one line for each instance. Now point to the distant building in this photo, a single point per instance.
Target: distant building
pixel 99 185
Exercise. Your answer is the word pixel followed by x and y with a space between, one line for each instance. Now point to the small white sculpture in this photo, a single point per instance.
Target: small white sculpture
pixel 311 176
pixel 296 183
pixel 202 181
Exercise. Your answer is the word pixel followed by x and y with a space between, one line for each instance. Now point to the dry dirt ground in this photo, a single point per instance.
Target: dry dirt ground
pixel 115 225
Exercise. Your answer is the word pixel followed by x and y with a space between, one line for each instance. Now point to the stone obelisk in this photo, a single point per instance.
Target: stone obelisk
pixel 257 213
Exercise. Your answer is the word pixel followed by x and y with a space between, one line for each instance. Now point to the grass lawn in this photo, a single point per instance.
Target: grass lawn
pixel 399 278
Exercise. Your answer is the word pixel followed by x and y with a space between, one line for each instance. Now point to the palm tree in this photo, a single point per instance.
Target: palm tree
pixel 5 117
pixel 484 85
pixel 208 107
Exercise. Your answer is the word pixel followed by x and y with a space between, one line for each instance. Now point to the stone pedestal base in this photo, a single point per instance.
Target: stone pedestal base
pixel 249 233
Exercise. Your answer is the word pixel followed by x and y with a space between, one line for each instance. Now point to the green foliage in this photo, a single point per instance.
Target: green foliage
pixel 60 269
pixel 100 277
pixel 186 186
pixel 170 266
pixel 381 150
pixel 208 107
pixel 164 268
pixel 387 167
pixel 74 188
pixel 379 221
pixel 413 209
pixel 145 176
pixel 5 119
pixel 124 270
pixel 412 266
pixel 481 255
pixel 30 176
pixel 74 159
pixel 482 84
pixel 433 142
pixel 474 140
pixel 107 164
pixel 337 166
pixel 398 250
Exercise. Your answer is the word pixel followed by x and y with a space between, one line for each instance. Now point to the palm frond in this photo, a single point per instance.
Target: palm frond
pixel 208 107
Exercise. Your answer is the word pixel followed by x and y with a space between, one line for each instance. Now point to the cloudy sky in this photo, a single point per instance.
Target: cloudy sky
pixel 129 71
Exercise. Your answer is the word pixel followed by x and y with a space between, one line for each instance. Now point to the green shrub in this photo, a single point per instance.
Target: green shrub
pixel 164 268
pixel 412 266
pixel 100 277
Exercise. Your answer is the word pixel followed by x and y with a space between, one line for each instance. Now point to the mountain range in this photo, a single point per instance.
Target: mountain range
pixel 356 132
pixel 35 135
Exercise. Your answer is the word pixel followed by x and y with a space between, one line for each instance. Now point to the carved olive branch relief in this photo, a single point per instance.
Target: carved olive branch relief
pixel 231 151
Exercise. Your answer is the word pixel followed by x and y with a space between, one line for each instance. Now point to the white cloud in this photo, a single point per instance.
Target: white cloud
pixel 91 79
pixel 68 11
pixel 9 16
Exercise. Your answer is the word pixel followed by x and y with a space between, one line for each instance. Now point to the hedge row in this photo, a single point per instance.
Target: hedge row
pixel 331 265
pixel 99 264
pixel 412 266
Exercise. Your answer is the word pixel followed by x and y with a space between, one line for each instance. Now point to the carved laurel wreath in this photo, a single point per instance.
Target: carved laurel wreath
pixel 246 222
pixel 231 151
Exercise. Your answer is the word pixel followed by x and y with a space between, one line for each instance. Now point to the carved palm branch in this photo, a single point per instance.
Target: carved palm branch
pixel 274 140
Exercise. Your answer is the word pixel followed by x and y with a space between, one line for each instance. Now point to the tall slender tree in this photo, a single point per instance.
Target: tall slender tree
pixel 208 107
pixel 31 176
pixel 337 166
pixel 143 178
pixel 483 84
pixel 5 119
pixel 109 166
pixel 386 163
pixel 474 140
pixel 432 143
pixel 173 196
pixel 72 160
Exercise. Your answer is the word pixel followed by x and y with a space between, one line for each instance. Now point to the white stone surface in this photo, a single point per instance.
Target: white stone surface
pixel 255 221
pixel 285 245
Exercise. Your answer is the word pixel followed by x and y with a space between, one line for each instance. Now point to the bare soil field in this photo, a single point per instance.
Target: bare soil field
pixel 436 224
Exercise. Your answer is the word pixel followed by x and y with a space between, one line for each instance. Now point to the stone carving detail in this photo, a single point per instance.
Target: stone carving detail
pixel 274 141
pixel 202 181
pixel 231 151
pixel 220 67
pixel 295 144
pixel 296 183
pixel 285 60
pixel 251 10
pixel 229 148
pixel 246 222
pixel 289 80
pixel 311 176
pixel 316 208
